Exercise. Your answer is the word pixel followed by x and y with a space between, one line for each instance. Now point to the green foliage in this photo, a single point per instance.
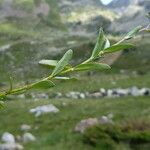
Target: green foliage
pixel 64 61
pixel 1 104
pixel 101 44
pixel 92 66
pixel 134 133
pixel 45 84
pixel 132 33
pixel 118 47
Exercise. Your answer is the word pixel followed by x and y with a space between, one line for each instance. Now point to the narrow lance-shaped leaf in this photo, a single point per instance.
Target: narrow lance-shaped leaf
pixel 119 47
pixel 148 30
pixel 62 63
pixel 45 84
pixel 107 44
pixel 92 66
pixel 132 33
pixel 1 104
pixel 102 43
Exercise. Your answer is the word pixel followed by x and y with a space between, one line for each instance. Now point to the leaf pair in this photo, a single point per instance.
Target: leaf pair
pixel 103 45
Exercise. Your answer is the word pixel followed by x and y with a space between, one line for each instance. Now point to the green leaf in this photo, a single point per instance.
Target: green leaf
pixel 107 44
pixel 48 63
pixel 132 33
pixel 101 44
pixel 92 66
pixel 119 47
pixel 63 62
pixel 45 84
pixel 148 30
pixel 1 104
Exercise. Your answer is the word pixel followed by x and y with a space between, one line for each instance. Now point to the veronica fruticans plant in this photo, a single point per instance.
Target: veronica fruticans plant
pixel 62 67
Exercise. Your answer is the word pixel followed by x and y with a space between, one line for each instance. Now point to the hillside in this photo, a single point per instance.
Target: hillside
pixel 32 30
pixel 132 13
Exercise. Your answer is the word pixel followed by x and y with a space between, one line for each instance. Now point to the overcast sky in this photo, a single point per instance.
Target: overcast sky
pixel 106 1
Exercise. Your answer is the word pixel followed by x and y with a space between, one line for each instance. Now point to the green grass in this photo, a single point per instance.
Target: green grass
pixel 55 131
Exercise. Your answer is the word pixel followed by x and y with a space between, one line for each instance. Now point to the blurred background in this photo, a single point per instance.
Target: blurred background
pixel 31 30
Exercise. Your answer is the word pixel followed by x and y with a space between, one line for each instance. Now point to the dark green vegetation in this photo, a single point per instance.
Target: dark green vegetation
pixel 134 134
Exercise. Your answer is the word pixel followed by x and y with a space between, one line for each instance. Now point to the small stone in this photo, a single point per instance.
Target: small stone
pixel 84 124
pixel 11 146
pixel 134 91
pixel 28 137
pixel 103 91
pixel 96 95
pixel 105 120
pixel 145 92
pixel 8 138
pixel 82 95
pixel 73 95
pixel 110 93
pixel 25 127
pixel 44 110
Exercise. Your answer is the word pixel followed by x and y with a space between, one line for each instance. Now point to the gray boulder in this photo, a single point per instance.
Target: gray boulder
pixel 84 124
pixel 44 110
pixel 11 146
pixel 8 138
pixel 25 127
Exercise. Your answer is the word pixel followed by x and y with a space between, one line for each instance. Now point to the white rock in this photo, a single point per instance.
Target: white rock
pixel 110 93
pixel 82 95
pixel 144 92
pixel 134 91
pixel 44 110
pixel 122 92
pixel 25 127
pixel 5 47
pixel 105 120
pixel 84 124
pixel 103 91
pixel 73 95
pixel 28 137
pixel 8 138
pixel 96 95
pixel 11 146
